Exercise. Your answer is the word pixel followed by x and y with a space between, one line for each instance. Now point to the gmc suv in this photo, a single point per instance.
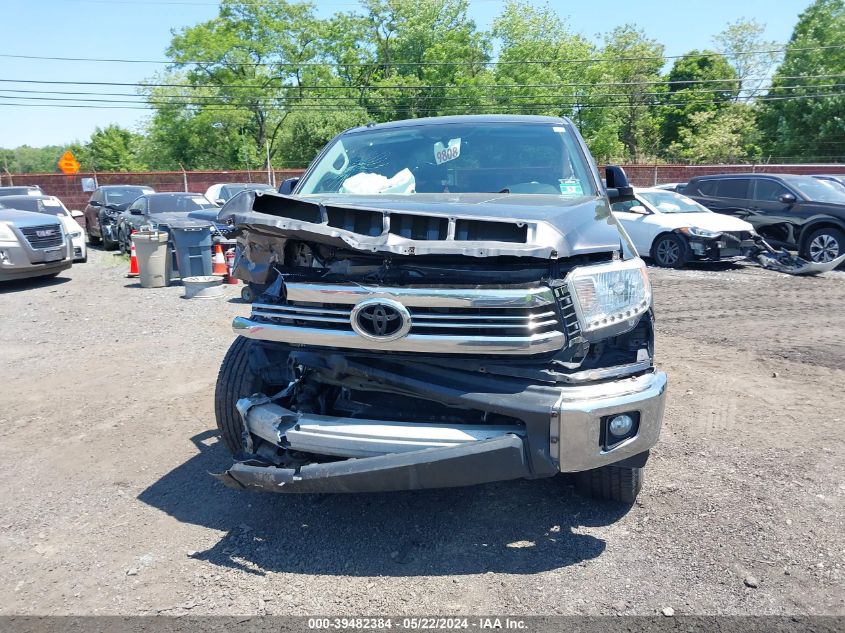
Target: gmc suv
pixel 800 213
pixel 441 302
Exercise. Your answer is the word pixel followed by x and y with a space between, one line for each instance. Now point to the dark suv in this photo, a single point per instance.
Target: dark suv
pixel 795 212
pixel 104 209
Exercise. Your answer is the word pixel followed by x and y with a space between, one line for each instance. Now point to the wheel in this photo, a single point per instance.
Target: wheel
pixel 824 245
pixel 235 380
pixel 122 242
pixel 92 239
pixel 247 294
pixel 669 251
pixel 610 483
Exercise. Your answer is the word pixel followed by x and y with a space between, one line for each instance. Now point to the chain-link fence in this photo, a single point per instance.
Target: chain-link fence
pixel 69 188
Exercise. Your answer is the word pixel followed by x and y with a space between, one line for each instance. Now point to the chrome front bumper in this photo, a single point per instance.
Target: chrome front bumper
pixel 575 430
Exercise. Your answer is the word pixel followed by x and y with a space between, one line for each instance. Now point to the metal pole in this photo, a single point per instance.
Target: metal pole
pixel 270 175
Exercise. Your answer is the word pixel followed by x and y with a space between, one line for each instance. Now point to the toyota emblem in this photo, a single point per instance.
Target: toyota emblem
pixel 381 319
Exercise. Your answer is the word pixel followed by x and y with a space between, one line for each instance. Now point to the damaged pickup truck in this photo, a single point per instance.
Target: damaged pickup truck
pixel 441 302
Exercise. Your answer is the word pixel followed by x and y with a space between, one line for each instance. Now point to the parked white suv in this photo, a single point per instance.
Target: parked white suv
pixel 51 205
pixel 32 245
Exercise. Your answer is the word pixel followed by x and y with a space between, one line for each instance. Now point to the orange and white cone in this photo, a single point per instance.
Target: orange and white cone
pixel 133 259
pixel 230 267
pixel 218 264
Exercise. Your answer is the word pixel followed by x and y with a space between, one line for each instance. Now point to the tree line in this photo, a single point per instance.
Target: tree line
pixel 273 79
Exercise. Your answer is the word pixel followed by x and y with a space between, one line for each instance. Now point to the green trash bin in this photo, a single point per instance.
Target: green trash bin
pixel 154 266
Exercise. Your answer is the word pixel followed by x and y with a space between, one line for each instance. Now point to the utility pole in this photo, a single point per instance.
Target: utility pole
pixel 271 175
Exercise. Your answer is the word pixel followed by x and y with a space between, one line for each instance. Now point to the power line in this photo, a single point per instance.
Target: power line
pixel 228 100
pixel 589 60
pixel 474 108
pixel 358 88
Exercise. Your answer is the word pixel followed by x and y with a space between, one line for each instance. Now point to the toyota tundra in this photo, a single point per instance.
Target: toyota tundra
pixel 441 302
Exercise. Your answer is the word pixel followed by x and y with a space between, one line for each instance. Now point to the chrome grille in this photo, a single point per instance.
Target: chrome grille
pixel 442 320
pixel 50 235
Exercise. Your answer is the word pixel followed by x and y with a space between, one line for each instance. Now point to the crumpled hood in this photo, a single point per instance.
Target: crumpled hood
pixel 476 224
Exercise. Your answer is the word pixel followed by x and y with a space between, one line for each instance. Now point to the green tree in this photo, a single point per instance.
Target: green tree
pixel 255 59
pixel 626 83
pixel 28 160
pixel 700 81
pixel 804 114
pixel 111 148
pixel 725 135
pixel 537 50
pixel 748 53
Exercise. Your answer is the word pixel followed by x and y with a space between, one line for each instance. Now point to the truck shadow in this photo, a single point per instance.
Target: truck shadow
pixel 518 527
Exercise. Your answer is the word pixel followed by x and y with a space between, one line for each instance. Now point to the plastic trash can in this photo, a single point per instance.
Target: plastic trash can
pixel 192 243
pixel 151 249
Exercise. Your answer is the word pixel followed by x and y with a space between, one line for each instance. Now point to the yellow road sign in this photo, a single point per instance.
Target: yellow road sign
pixel 68 163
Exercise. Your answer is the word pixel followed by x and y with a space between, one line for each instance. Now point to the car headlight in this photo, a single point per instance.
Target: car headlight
pixel 6 233
pixel 697 232
pixel 610 296
pixel 75 234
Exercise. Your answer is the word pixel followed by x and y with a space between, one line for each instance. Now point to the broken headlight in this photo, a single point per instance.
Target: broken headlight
pixel 609 298
pixel 693 231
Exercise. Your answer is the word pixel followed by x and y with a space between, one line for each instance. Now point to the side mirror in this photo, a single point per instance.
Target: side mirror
pixel 136 212
pixel 94 203
pixel 638 208
pixel 787 198
pixel 220 202
pixel 618 189
pixel 287 186
pixel 76 213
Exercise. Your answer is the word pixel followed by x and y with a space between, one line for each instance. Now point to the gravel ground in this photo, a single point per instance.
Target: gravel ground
pixel 108 436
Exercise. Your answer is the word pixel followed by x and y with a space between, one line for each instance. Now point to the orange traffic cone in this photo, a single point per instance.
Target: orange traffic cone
pixel 230 267
pixel 133 259
pixel 218 264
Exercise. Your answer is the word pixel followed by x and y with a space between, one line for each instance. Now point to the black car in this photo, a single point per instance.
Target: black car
pixel 25 190
pixel 151 209
pixel 800 213
pixel 104 208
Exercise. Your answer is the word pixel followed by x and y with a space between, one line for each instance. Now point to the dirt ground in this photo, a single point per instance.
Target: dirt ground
pixel 108 437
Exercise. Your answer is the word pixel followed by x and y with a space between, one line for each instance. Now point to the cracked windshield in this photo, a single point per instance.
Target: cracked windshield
pixel 455 158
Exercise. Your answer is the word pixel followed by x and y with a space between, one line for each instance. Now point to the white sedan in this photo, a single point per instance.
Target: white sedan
pixel 674 230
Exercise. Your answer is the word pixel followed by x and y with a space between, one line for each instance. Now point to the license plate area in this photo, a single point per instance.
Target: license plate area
pixel 54 255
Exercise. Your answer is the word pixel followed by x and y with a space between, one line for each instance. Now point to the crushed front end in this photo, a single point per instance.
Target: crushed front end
pixel 405 348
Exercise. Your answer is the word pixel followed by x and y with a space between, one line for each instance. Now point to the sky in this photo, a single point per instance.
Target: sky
pixel 141 29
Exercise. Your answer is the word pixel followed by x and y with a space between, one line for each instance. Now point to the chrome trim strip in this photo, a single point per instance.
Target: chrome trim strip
pixel 299 317
pixel 431 344
pixel 476 317
pixel 423 297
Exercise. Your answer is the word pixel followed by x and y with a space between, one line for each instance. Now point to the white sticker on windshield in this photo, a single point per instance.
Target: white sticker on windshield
pixel 448 152
pixel 571 187
pixel 52 203
pixel 559 129
pixel 200 200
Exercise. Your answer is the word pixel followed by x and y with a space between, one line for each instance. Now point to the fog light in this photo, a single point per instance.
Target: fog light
pixel 620 425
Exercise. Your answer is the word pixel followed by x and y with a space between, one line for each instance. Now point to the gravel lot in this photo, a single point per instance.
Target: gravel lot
pixel 108 435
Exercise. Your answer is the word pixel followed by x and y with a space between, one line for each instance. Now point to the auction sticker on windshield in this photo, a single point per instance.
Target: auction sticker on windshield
pixel 448 152
pixel 571 187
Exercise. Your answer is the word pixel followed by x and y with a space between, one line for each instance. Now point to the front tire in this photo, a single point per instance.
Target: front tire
pixel 610 483
pixel 235 380
pixel 824 245
pixel 669 251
